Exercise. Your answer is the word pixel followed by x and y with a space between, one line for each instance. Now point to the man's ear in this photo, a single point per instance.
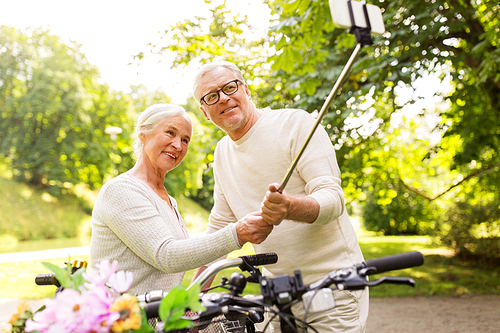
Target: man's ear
pixel 247 91
pixel 142 137
pixel 202 108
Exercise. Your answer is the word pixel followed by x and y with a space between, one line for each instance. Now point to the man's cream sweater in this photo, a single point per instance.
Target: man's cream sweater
pixel 244 169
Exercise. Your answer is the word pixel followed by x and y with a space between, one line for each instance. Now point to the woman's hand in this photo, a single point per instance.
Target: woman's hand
pixel 252 228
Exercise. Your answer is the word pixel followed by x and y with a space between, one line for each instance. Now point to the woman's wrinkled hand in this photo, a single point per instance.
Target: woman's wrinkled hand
pixel 252 228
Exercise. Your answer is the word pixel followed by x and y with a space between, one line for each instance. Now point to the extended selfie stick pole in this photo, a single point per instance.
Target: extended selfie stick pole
pixel 363 38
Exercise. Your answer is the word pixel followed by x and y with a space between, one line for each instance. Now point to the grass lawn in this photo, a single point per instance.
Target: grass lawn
pixel 440 275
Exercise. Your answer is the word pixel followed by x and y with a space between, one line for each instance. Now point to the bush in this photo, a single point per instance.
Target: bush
pixel 405 214
pixel 473 231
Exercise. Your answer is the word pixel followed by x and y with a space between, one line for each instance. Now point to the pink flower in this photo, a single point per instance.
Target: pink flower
pixel 61 314
pixel 96 310
pixel 121 281
pixel 87 310
pixel 100 277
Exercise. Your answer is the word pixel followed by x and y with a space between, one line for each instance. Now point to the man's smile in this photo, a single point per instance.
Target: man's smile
pixel 228 109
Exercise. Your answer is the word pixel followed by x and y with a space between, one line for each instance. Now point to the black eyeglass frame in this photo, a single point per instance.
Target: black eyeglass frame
pixel 219 90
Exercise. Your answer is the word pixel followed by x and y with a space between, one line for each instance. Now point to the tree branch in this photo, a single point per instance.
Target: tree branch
pixel 472 175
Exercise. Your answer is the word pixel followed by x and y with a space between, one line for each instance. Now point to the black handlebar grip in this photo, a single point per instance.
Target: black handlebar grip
pixel 261 259
pixel 46 280
pixel 398 261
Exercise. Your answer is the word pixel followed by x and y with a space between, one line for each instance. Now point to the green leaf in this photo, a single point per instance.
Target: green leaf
pixel 176 298
pixel 179 324
pixel 145 328
pixel 77 278
pixel 175 304
pixel 194 302
pixel 62 275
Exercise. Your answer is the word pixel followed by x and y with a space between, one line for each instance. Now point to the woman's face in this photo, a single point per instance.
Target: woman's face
pixel 165 147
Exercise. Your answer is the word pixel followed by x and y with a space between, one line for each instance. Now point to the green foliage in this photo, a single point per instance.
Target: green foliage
pixel 145 327
pixel 175 304
pixel 404 215
pixel 225 35
pixel 39 216
pixel 19 324
pixel 66 278
pixel 389 186
pixel 53 112
pixel 442 274
pixel 454 40
pixel 473 231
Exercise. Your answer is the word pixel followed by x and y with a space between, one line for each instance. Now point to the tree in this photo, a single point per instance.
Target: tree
pixel 456 40
pixel 54 111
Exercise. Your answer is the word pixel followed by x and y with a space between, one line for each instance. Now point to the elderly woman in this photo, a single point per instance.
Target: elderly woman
pixel 136 221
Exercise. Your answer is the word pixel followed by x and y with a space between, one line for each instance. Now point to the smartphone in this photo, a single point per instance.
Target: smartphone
pixel 342 18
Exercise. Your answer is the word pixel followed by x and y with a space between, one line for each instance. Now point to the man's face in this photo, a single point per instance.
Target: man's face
pixel 231 113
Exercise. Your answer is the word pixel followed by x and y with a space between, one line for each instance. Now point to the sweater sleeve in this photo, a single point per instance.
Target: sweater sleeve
pixel 131 213
pixel 317 166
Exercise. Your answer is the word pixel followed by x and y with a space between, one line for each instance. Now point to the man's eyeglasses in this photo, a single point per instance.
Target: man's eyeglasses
pixel 228 89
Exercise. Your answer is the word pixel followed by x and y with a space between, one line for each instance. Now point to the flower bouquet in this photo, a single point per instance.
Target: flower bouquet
pixel 95 301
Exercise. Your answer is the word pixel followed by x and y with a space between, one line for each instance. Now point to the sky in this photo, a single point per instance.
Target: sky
pixel 112 31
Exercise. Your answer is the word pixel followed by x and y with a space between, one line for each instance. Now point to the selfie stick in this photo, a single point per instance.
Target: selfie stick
pixel 363 38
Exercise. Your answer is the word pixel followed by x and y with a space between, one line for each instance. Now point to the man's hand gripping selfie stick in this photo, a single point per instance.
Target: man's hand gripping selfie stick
pixel 360 19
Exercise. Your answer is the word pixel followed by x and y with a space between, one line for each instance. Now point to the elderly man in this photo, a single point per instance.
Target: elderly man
pixel 312 230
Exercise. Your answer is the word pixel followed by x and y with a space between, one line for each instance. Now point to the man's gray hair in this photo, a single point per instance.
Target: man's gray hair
pixel 209 67
pixel 151 117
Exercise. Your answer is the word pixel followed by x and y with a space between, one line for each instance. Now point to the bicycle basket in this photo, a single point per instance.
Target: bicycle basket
pixel 229 323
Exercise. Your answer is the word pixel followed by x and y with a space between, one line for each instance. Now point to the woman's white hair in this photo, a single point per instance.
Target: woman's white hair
pixel 151 117
pixel 209 67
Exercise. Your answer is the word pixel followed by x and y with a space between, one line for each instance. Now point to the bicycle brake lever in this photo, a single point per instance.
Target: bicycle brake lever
pixel 392 280
pixel 254 271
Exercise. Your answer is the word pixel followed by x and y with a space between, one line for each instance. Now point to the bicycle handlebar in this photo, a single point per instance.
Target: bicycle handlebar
pixel 395 262
pixel 245 263
pixel 47 279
